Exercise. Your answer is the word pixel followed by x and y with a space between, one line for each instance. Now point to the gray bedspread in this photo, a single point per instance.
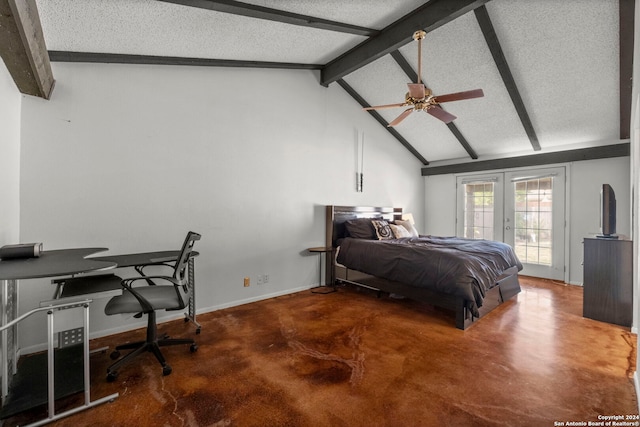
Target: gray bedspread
pixel 462 267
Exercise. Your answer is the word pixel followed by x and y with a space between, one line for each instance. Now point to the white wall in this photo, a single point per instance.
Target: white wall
pixel 583 200
pixel 10 100
pixel 587 178
pixel 440 208
pixel 132 157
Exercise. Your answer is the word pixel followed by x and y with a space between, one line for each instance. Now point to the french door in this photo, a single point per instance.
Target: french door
pixel 525 209
pixel 479 206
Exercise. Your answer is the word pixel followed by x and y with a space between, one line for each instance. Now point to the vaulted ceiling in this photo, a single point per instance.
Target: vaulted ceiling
pixel 556 75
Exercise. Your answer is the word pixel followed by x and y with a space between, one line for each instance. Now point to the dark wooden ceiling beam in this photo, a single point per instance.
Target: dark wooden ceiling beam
pixel 627 18
pixel 119 58
pixel 413 76
pixel 462 140
pixel 491 38
pixel 428 17
pixel 406 67
pixel 593 153
pixel 261 12
pixel 360 100
pixel 23 49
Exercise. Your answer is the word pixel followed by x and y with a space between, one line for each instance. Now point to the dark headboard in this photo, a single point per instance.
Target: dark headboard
pixel 337 215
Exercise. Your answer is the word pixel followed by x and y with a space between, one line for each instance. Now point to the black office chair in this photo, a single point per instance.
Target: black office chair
pixel 147 300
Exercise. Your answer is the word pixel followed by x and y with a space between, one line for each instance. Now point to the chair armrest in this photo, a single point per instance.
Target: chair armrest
pixel 127 284
pixel 140 268
pixel 144 303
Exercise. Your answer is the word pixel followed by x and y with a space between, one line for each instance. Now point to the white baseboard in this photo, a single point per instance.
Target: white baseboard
pixel 180 314
pixel 130 326
pixel 252 299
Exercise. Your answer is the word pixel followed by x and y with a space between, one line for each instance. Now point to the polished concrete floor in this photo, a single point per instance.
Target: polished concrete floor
pixel 351 359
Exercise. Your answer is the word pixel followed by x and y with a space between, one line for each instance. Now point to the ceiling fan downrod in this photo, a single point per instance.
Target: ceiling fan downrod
pixel 418 36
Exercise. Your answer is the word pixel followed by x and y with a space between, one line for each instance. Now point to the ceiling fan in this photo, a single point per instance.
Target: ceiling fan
pixel 420 97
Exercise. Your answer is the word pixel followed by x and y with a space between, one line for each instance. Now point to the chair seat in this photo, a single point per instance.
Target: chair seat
pixel 160 298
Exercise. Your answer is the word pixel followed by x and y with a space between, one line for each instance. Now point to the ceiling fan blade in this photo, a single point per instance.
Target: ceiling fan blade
pixel 416 90
pixel 458 96
pixel 439 113
pixel 380 107
pixel 401 117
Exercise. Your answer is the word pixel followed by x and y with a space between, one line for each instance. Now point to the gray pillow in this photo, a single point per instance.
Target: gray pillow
pixel 360 228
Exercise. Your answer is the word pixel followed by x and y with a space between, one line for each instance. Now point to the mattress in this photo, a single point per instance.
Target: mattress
pixel 451 265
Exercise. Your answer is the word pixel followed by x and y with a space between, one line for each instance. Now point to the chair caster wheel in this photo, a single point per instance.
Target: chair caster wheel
pixel 186 320
pixel 193 348
pixel 114 355
pixel 111 376
pixel 166 370
pixel 198 331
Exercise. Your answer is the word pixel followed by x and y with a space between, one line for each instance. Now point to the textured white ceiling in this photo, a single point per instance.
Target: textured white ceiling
pixel 563 56
pixel 364 13
pixel 149 27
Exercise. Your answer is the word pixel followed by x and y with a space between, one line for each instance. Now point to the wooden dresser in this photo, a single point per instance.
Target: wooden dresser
pixel 608 280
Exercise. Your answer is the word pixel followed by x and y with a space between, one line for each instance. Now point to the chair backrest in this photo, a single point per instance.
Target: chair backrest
pixel 180 269
pixel 183 291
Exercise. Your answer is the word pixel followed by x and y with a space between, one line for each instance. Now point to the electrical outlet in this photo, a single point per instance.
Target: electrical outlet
pixel 247 282
pixel 260 279
pixel 265 278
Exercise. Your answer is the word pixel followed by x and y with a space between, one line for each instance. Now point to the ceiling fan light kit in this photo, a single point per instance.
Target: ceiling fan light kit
pixel 421 98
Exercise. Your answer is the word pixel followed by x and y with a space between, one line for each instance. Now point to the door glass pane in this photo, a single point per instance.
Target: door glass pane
pixel 533 220
pixel 478 210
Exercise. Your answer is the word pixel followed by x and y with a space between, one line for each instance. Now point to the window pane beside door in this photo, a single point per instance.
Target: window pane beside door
pixel 478 210
pixel 533 220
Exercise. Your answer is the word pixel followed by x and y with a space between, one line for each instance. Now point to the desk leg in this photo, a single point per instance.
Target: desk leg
pixel 4 344
pixel 51 408
pixel 9 308
pixel 191 314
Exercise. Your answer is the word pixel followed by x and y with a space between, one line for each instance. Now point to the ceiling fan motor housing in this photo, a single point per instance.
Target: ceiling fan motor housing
pixel 428 98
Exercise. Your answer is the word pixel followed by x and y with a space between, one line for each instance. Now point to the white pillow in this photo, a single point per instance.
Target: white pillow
pixel 410 228
pixel 399 231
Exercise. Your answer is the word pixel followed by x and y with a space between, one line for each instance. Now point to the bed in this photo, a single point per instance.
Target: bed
pixel 469 277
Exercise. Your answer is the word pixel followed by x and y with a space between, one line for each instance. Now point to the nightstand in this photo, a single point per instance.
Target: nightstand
pixel 328 252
